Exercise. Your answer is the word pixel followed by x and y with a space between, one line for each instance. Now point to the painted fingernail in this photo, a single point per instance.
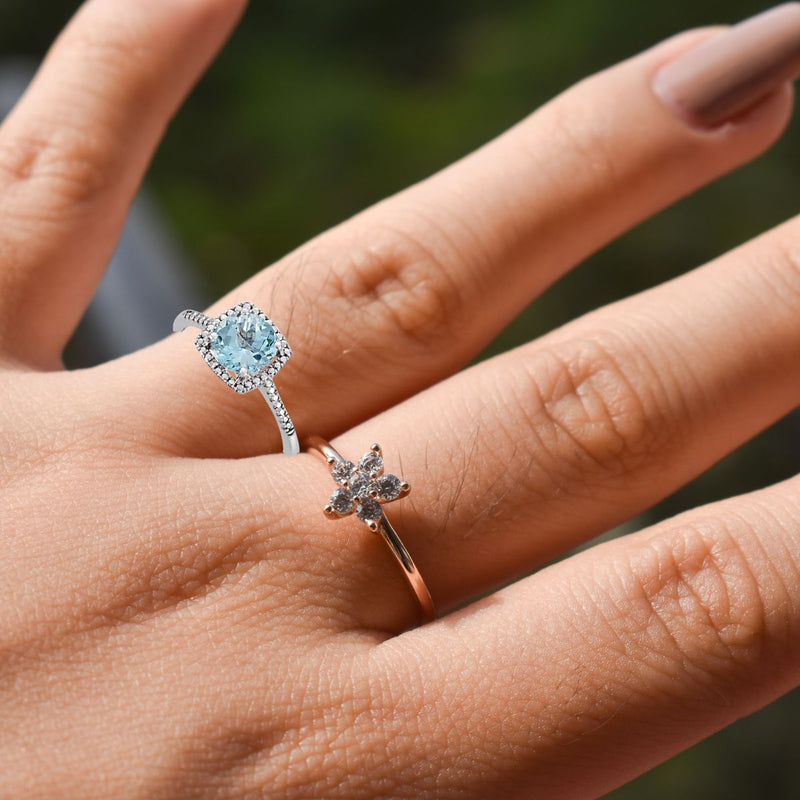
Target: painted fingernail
pixel 733 71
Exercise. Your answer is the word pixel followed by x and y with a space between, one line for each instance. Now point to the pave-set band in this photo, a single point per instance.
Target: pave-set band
pixel 244 348
pixel 363 488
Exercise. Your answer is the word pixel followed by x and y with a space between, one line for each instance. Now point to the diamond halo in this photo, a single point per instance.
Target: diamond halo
pixel 242 315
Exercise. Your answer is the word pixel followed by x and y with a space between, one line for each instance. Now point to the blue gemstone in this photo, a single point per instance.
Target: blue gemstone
pixel 245 343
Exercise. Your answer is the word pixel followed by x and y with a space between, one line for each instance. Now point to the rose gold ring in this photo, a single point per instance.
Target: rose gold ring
pixel 363 488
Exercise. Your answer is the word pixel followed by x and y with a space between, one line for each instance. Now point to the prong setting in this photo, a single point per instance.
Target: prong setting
pixel 363 488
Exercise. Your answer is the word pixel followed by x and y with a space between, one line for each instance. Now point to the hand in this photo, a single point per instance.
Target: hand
pixel 179 618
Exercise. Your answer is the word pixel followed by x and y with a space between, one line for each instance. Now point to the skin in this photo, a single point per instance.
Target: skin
pixel 180 619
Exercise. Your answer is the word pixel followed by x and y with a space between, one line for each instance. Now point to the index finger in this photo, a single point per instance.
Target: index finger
pixel 408 291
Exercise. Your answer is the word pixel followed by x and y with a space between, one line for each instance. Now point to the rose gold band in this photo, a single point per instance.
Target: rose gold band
pixel 389 534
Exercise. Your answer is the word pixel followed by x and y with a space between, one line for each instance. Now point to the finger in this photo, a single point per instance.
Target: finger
pixel 408 291
pixel 533 452
pixel 600 667
pixel 73 152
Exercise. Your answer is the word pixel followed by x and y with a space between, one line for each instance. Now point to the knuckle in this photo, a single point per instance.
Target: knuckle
pixel 578 398
pixel 73 159
pixel 71 164
pixel 700 601
pixel 400 282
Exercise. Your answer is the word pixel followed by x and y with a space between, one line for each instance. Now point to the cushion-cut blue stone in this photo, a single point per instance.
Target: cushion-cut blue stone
pixel 245 342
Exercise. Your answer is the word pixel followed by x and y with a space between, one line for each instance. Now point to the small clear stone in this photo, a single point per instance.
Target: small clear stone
pixel 359 484
pixel 369 510
pixel 371 463
pixel 342 471
pixel 342 501
pixel 388 487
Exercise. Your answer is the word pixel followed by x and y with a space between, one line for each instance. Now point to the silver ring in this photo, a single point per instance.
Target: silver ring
pixel 244 348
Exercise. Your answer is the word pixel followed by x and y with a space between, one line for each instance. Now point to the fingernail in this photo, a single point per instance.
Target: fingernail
pixel 728 74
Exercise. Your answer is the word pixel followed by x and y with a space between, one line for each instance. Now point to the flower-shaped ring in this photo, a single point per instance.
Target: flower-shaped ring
pixel 244 348
pixel 363 488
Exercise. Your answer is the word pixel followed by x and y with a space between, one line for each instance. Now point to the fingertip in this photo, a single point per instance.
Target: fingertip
pixel 742 137
pixel 719 78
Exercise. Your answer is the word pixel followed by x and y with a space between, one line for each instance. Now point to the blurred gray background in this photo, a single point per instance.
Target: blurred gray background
pixel 317 109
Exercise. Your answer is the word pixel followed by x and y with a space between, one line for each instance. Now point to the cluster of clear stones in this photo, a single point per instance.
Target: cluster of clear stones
pixel 243 381
pixel 363 488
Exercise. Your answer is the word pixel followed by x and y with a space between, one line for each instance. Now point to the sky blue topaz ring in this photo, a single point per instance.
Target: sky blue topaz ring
pixel 363 489
pixel 244 348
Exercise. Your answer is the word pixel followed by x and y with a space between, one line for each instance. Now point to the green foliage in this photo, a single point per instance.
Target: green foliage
pixel 318 109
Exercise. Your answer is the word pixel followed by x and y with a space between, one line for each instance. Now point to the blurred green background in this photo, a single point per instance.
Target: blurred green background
pixel 317 109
